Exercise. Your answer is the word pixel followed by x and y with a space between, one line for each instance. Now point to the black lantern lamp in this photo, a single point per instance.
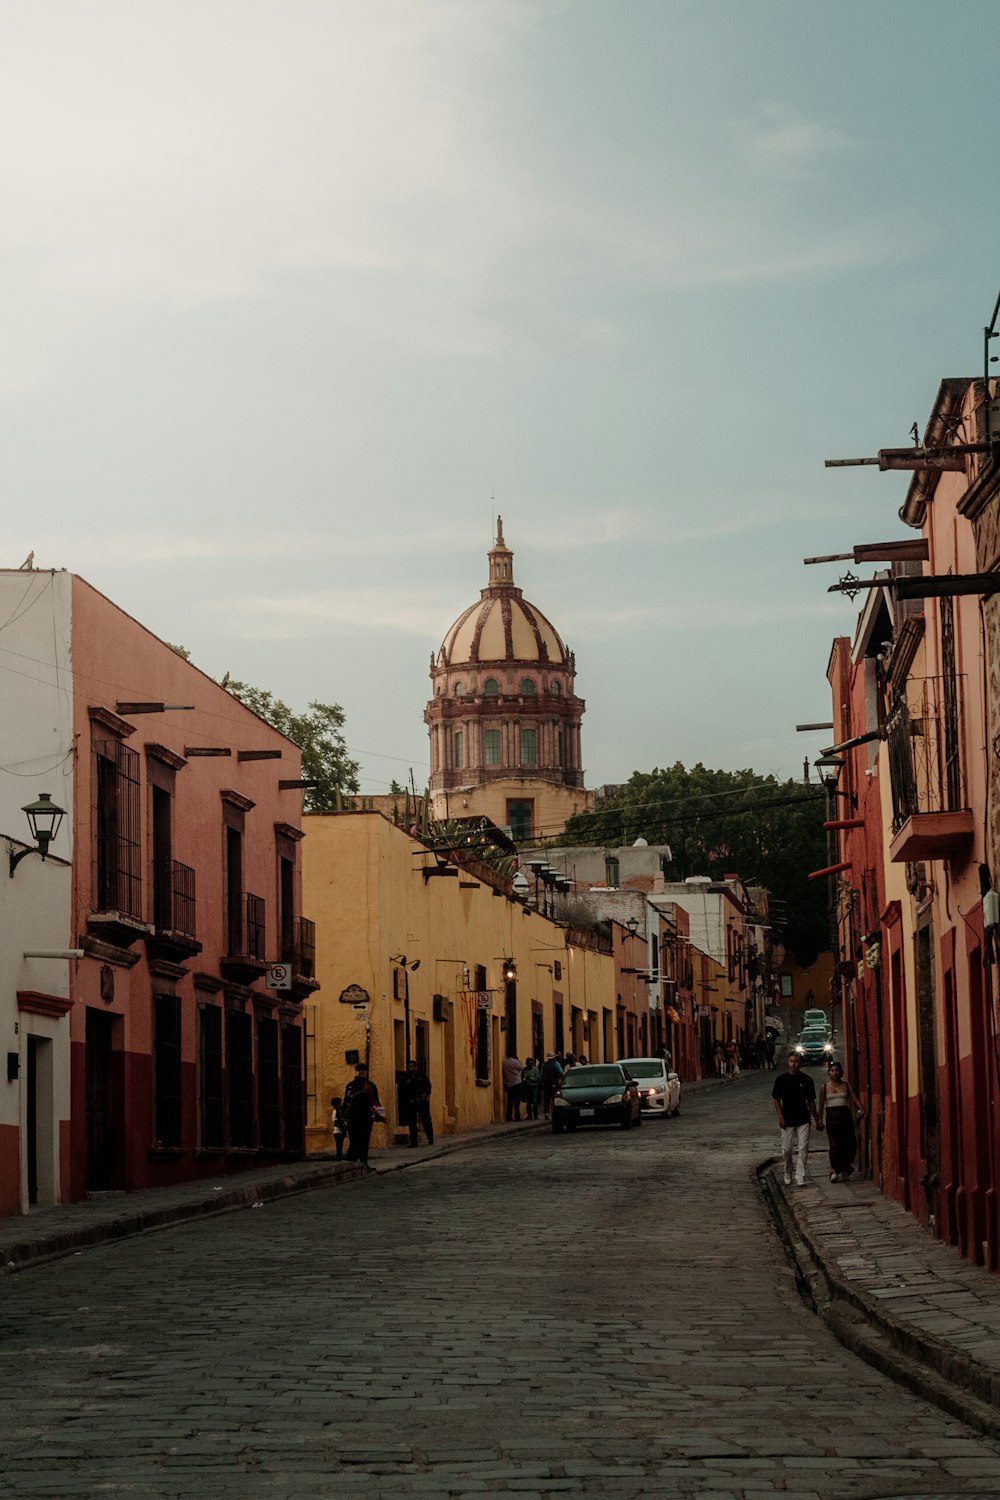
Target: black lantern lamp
pixel 44 819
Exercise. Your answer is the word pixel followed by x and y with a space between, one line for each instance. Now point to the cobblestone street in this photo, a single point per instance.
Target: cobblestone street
pixel 598 1314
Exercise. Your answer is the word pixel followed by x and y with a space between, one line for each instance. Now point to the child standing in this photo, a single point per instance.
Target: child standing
pixel 339 1125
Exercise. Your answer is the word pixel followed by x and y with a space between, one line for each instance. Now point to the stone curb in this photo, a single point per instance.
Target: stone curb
pixel 942 1373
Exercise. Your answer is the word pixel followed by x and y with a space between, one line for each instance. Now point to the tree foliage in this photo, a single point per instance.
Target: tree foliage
pixel 717 823
pixel 319 735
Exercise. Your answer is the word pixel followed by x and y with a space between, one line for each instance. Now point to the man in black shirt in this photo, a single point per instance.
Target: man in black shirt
pixel 415 1095
pixel 794 1096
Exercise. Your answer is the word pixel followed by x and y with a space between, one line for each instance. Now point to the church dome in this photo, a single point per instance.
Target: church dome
pixel 502 626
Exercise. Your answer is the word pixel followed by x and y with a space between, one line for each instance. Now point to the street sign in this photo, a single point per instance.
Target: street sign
pixel 354 995
pixel 362 1012
pixel 279 976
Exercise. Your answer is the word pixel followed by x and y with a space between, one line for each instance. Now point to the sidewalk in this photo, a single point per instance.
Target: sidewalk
pixel 50 1232
pixel 892 1293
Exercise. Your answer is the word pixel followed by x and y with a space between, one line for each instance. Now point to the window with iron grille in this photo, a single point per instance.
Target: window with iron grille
pixel 316 1113
pixel 167 1069
pixel 239 1057
pixel 286 909
pixel 291 1078
pixel 268 1085
pixel 529 747
pixel 952 769
pixel 306 948
pixel 117 823
pixel 459 741
pixel 491 747
pixel 210 1098
pixel 234 890
pixel 254 928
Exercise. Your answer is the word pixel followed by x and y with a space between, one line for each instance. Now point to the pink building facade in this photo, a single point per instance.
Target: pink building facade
pixel 171 1058
pixel 918 945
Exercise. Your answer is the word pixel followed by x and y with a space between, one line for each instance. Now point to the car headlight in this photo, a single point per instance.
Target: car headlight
pixel 652 1093
pixel 800 1048
pixel 614 1099
pixel 561 1101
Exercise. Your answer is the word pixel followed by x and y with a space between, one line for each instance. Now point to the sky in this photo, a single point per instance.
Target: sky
pixel 297 294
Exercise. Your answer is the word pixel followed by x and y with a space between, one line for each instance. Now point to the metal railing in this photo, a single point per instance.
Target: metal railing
pixel 923 732
pixel 174 898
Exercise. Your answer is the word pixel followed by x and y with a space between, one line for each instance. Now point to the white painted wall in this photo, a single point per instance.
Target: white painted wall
pixel 36 755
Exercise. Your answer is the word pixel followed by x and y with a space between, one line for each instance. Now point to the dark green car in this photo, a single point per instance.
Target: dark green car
pixel 597 1094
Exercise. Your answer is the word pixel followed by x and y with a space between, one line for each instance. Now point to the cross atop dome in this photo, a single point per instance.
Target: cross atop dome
pixel 501 561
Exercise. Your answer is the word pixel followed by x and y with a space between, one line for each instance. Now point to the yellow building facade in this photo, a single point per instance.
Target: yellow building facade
pixel 421 957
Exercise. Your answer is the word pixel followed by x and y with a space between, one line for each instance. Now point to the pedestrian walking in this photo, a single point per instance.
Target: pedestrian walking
pixel 794 1096
pixel 838 1109
pixel 415 1097
pixel 732 1060
pixel 720 1061
pixel 360 1101
pixel 339 1122
pixel 511 1070
pixel 531 1087
pixel 552 1073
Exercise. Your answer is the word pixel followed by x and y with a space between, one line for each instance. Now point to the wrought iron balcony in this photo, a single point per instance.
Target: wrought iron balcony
pixel 174 913
pixel 930 816
pixel 244 962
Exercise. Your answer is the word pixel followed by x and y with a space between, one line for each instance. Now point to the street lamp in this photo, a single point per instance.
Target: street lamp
pixel 44 819
pixel 408 968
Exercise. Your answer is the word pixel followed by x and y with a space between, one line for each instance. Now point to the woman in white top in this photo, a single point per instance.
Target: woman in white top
pixel 838 1107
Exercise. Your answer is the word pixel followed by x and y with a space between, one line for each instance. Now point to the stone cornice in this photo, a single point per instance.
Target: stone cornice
pixel 36 1003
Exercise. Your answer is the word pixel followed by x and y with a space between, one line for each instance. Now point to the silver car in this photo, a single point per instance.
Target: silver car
pixel 659 1085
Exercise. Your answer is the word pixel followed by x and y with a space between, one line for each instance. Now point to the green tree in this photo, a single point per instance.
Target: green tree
pixel 717 823
pixel 319 735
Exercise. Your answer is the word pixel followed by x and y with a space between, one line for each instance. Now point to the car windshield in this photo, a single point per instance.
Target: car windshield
pixel 591 1078
pixel 814 1015
pixel 644 1068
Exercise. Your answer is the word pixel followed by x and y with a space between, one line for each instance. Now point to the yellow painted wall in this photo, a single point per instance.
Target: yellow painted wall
pixel 362 882
pixel 553 804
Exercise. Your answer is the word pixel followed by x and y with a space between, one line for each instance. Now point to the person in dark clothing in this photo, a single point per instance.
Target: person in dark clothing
pixel 415 1097
pixel 552 1072
pixel 360 1098
pixel 339 1122
pixel 794 1096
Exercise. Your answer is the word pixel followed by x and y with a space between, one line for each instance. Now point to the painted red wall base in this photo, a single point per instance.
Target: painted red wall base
pixel 10 1170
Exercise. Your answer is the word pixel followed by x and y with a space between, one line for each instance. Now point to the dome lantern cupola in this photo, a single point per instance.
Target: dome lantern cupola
pixel 501 561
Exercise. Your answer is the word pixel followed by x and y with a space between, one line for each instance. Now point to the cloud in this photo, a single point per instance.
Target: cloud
pixel 597 623
pixel 191 152
pixel 367 610
pixel 783 143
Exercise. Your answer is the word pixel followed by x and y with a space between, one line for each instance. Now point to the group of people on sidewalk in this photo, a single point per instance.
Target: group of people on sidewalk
pixel 534 1083
pixel 836 1111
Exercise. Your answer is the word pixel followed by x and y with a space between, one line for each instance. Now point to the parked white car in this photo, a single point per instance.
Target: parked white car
pixel 659 1086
